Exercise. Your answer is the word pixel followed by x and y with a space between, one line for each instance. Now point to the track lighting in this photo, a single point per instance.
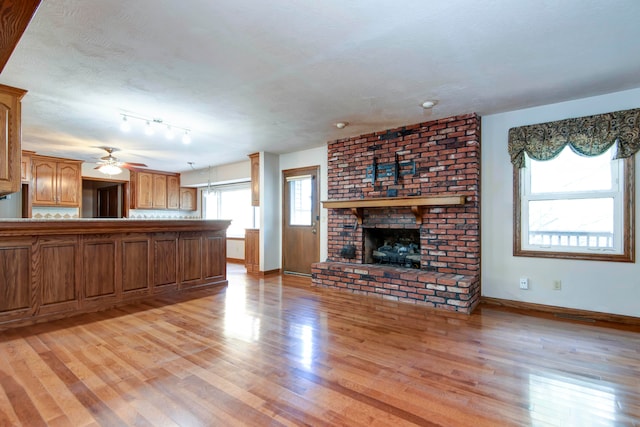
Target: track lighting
pixel 186 138
pixel 125 126
pixel 169 133
pixel 148 130
pixel 150 125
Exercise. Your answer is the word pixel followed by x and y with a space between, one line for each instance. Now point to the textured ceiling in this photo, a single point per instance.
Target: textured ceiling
pixel 251 75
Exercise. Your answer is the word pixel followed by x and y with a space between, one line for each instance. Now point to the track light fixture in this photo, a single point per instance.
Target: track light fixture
pixel 150 125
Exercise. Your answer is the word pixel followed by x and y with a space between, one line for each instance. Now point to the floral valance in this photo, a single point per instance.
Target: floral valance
pixel 588 136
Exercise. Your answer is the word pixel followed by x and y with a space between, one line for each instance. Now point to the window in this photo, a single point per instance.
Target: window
pixel 575 206
pixel 230 202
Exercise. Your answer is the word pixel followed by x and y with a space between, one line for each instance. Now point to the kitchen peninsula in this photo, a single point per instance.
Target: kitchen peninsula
pixel 57 268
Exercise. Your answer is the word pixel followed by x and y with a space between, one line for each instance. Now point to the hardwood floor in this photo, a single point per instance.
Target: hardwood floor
pixel 273 351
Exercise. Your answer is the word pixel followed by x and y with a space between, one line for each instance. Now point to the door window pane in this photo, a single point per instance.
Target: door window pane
pixel 300 192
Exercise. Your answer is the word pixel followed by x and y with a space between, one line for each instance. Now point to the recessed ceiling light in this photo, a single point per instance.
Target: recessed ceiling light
pixel 428 104
pixel 341 125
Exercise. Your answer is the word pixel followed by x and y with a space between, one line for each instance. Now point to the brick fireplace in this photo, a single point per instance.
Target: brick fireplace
pixel 423 180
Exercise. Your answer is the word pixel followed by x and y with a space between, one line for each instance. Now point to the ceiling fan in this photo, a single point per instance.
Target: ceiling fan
pixel 110 165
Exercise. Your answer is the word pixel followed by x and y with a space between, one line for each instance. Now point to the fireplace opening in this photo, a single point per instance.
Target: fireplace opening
pixel 392 246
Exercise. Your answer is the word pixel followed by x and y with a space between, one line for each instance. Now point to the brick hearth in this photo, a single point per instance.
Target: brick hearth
pixel 437 158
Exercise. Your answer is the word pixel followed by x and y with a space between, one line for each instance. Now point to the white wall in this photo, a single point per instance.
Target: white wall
pixel 216 174
pixel 588 285
pixel 11 206
pixel 235 249
pixel 313 157
pixel 270 235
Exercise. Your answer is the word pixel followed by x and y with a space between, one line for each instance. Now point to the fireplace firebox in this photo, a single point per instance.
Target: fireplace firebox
pixel 392 246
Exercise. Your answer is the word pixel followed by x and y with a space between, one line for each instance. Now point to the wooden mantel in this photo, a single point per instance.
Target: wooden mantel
pixel 415 203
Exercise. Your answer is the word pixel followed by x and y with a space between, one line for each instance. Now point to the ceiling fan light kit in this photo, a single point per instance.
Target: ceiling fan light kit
pixel 110 165
pixel 150 126
pixel 109 169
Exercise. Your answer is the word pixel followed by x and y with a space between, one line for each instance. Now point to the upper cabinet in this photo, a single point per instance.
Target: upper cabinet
pixel 255 179
pixel 159 191
pixel 25 166
pixel 188 199
pixel 10 138
pixel 155 190
pixel 56 182
pixel 173 192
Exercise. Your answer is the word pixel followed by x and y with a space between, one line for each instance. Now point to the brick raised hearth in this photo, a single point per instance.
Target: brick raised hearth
pixel 439 158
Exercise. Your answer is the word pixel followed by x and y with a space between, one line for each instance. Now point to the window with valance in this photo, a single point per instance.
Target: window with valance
pixel 574 187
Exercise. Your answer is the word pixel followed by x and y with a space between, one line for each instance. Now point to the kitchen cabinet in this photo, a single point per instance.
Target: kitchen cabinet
pixel 173 192
pixel 25 166
pixel 188 199
pixel 255 179
pixel 56 182
pixel 252 250
pixel 65 267
pixel 10 138
pixel 154 190
pixel 159 191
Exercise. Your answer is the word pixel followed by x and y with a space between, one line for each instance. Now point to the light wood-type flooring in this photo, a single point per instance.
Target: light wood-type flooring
pixel 275 351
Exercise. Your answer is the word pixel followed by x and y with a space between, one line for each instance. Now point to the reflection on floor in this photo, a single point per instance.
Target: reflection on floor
pixel 275 351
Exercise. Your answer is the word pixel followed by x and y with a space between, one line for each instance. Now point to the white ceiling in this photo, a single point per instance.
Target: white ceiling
pixel 254 75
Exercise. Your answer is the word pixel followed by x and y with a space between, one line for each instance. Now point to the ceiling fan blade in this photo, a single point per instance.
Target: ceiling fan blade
pixel 141 165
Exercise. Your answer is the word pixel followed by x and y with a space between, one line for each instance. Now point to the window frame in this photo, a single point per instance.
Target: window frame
pixel 627 232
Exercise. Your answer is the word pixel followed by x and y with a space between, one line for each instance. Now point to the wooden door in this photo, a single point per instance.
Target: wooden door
pixel 301 214
pixel 108 202
pixel 44 181
pixel 69 184
pixel 173 192
pixel 159 191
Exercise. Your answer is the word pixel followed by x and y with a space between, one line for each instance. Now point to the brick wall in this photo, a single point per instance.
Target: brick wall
pixel 441 157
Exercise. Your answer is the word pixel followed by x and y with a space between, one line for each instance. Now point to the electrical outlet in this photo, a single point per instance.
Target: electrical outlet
pixel 524 283
pixel 557 285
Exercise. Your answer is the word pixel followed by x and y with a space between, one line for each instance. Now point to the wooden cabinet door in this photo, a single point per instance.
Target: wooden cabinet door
pixel 144 190
pixel 10 141
pixel 215 264
pixel 252 250
pixel 255 179
pixel 173 192
pixel 69 184
pixel 15 278
pixel 159 191
pixel 188 197
pixel 25 166
pixel 44 182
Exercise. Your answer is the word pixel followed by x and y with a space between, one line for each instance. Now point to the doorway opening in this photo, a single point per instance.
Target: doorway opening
pixel 103 199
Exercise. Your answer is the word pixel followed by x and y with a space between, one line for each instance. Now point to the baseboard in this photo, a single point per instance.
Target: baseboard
pixel 270 272
pixel 563 312
pixel 235 260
